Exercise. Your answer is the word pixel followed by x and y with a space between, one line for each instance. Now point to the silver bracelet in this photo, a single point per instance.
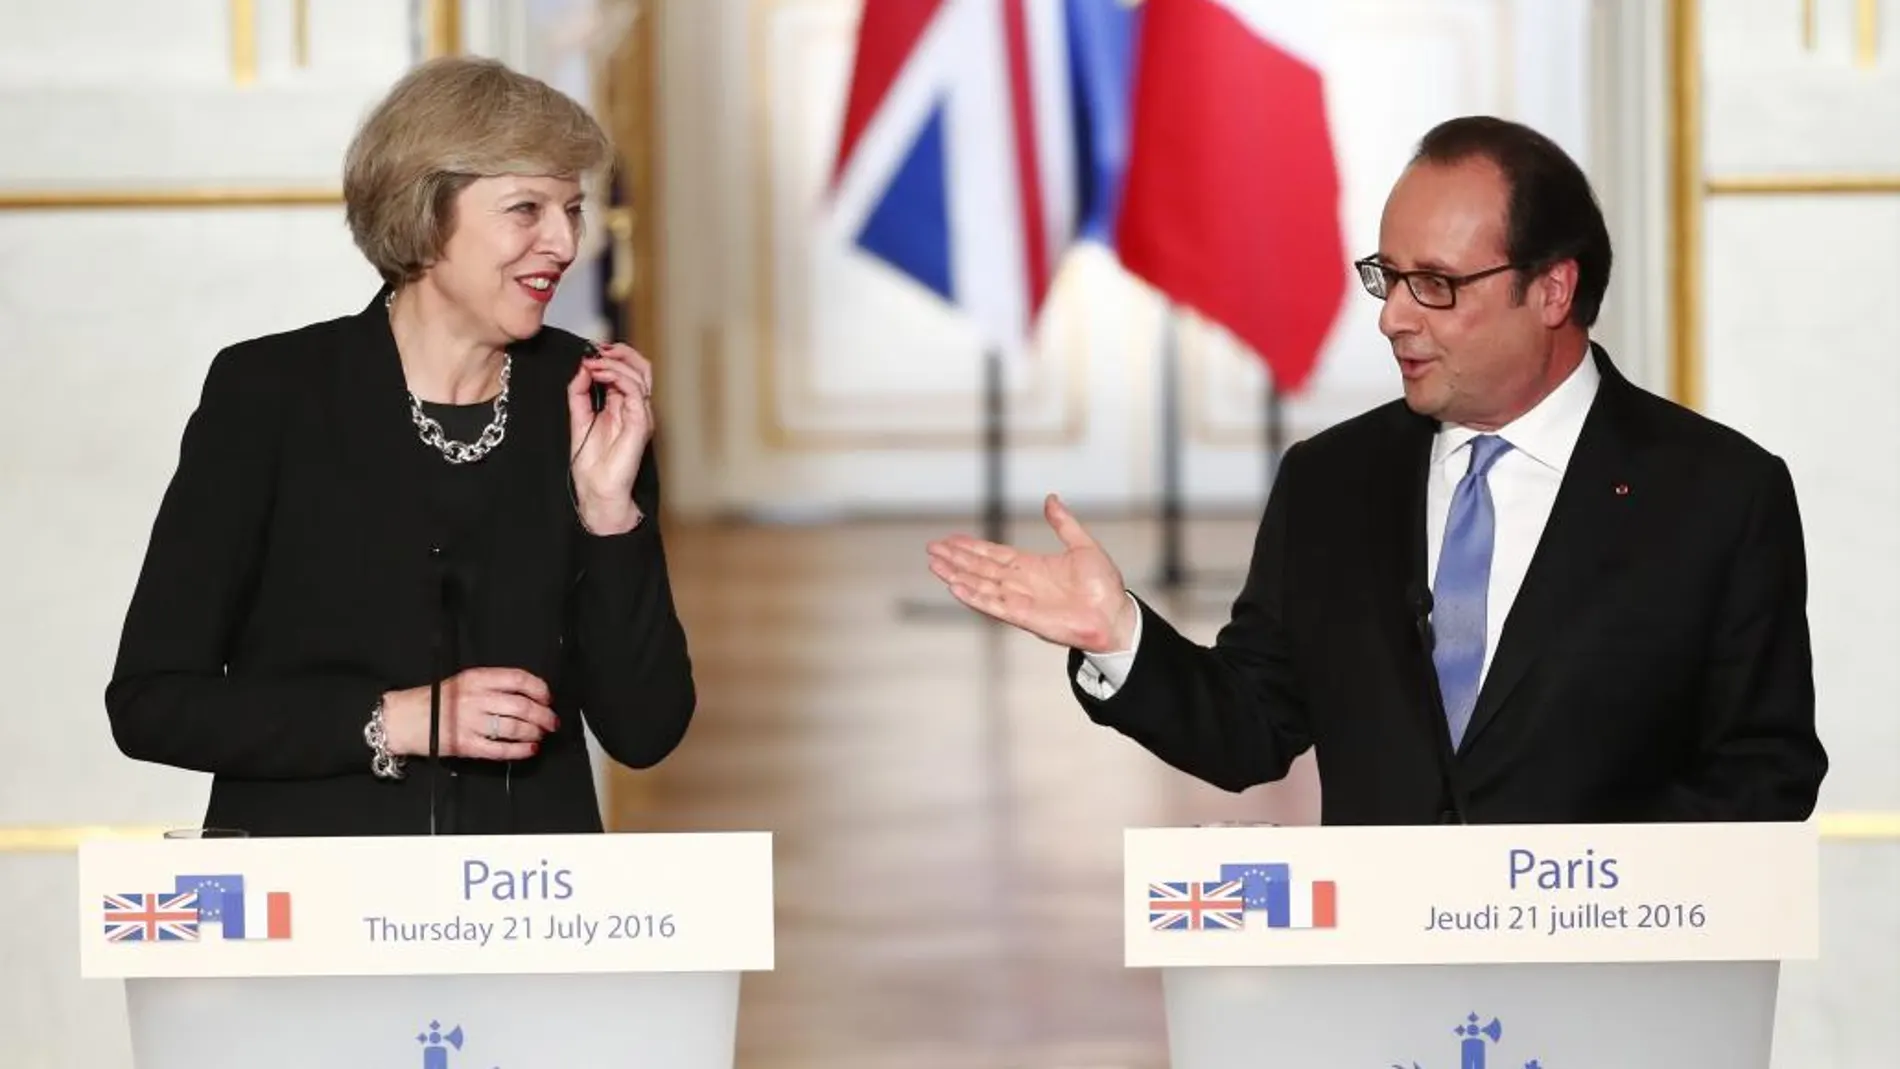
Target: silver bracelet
pixel 639 518
pixel 383 764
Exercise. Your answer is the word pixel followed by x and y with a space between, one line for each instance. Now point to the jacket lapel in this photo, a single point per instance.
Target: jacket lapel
pixel 1584 536
pixel 379 439
pixel 1401 584
pixel 1408 496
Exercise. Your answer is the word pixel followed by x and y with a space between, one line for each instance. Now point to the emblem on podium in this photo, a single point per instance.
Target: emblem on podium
pixel 1471 1044
pixel 436 1043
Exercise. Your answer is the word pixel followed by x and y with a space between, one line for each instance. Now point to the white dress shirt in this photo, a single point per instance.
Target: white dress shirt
pixel 1524 484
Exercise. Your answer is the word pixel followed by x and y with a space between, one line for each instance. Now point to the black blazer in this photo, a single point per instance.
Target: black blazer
pixel 295 573
pixel 1655 665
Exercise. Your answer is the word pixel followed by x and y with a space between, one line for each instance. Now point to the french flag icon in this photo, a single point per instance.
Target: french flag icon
pixel 1270 888
pixel 223 905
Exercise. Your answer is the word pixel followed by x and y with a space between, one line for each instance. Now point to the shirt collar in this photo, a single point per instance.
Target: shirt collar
pixel 1548 433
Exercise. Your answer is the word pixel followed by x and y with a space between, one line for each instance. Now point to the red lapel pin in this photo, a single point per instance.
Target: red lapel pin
pixel 1622 489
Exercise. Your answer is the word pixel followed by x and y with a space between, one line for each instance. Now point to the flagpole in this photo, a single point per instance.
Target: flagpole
pixel 1275 431
pixel 995 514
pixel 994 524
pixel 1172 574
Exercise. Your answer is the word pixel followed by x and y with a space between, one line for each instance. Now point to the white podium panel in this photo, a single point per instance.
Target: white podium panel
pixel 497 952
pixel 435 1022
pixel 1536 946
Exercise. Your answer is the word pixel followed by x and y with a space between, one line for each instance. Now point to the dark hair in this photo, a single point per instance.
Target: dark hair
pixel 1553 215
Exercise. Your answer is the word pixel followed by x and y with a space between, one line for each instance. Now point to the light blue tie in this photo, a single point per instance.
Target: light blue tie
pixel 1462 585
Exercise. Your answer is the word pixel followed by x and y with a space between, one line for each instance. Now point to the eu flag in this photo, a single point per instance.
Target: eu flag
pixel 1265 885
pixel 220 901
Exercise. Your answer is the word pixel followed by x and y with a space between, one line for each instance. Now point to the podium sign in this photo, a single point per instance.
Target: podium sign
pixel 1641 946
pixel 503 952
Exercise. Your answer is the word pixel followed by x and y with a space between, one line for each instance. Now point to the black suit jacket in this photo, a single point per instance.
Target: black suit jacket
pixel 295 573
pixel 1655 665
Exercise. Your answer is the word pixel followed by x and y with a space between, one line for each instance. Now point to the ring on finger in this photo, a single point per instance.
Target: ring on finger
pixel 494 726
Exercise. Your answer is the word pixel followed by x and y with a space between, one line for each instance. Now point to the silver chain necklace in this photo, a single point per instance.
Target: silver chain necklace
pixel 462 452
pixel 465 452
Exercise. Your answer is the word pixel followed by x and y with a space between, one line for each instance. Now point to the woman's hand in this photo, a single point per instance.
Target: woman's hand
pixel 497 714
pixel 607 447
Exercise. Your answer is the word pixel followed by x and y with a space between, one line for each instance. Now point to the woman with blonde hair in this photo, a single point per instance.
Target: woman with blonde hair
pixel 430 523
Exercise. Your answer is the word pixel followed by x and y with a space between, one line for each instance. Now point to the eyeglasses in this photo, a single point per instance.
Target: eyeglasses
pixel 1433 289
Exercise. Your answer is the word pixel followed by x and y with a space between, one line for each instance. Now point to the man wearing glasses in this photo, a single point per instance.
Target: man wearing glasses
pixel 1528 592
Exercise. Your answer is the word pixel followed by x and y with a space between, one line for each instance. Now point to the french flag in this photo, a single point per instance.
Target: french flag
pixel 224 903
pixel 1230 203
pixel 1270 889
pixel 980 139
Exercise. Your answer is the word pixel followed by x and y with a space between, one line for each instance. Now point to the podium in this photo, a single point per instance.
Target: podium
pixel 453 952
pixel 1651 946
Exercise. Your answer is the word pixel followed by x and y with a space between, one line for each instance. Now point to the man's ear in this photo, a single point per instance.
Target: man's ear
pixel 1555 291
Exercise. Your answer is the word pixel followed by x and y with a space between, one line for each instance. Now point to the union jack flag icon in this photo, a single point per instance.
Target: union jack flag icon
pixel 152 918
pixel 1196 906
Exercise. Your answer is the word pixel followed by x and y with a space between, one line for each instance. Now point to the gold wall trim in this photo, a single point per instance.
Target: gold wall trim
pixel 64 838
pixel 300 28
pixel 626 92
pixel 627 97
pixel 207 197
pixel 1874 826
pixel 1866 30
pixel 244 41
pixel 1733 185
pixel 444 28
pixel 1867 33
pixel 1686 186
pixel 1871 826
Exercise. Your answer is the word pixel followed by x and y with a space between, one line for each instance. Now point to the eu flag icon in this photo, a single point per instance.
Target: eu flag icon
pixel 220 902
pixel 1266 886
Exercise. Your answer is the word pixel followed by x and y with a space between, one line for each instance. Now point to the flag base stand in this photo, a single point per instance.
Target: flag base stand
pixel 946 609
pixel 1207 591
pixel 944 605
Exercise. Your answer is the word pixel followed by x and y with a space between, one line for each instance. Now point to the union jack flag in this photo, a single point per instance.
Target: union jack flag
pixel 152 918
pixel 1196 906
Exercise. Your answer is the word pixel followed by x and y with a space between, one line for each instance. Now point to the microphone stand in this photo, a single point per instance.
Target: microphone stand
pixel 437 667
pixel 435 733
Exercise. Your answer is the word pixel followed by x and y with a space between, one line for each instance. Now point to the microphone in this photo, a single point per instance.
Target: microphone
pixel 1419 597
pixel 597 391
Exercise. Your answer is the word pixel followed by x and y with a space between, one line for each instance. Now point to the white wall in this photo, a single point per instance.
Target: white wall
pixel 1797 349
pixel 110 317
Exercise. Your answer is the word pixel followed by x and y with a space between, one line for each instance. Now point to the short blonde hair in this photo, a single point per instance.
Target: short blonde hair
pixel 447 123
